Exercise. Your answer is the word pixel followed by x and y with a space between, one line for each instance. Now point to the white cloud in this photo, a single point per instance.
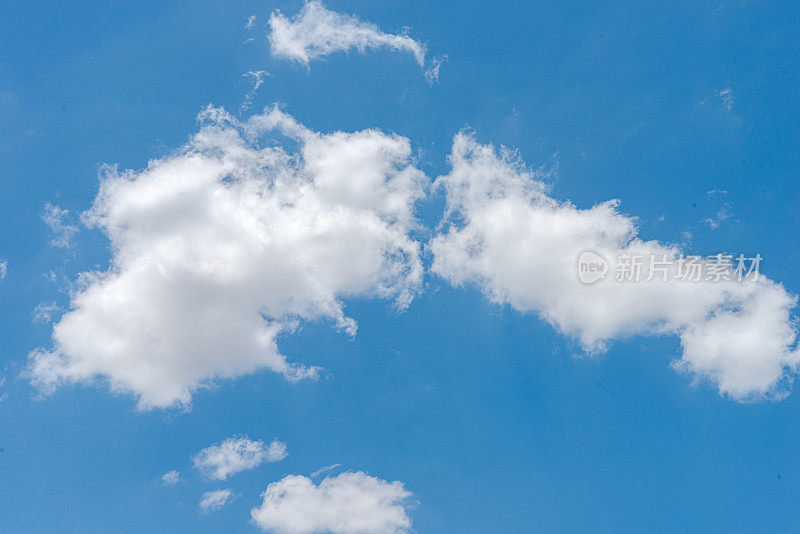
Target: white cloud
pixel 276 451
pixel 723 214
pixel 726 95
pixel 349 503
pixel 505 235
pixel 248 28
pixel 61 232
pixel 237 454
pixel 258 80
pixel 324 469
pixel 221 247
pixel 315 32
pixel 3 269
pixel 170 477
pixel 211 501
pixel 432 72
pixel 45 311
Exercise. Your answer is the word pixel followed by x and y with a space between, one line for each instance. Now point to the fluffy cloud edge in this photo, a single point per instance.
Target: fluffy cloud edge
pixel 172 313
pixel 503 234
pixel 236 454
pixel 348 503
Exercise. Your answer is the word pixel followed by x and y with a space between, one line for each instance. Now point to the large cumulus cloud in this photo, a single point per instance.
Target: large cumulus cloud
pixel 217 249
pixel 505 235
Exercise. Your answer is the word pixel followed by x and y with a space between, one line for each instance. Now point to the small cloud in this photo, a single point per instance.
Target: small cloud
pixel 258 80
pixel 726 95
pixel 316 32
pixel 236 454
pixel 44 312
pixel 344 504
pixel 211 501
pixel 61 281
pixel 251 21
pixel 3 269
pixel 62 233
pixel 170 477
pixel 276 451
pixel 722 215
pixel 432 72
pixel 325 469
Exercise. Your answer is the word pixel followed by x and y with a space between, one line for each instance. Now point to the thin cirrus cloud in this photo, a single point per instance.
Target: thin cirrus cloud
pixel 324 469
pixel 315 32
pixel 170 478
pixel 45 311
pixel 349 503
pixel 211 501
pixel 506 236
pixel 237 454
pixel 228 243
pixel 61 232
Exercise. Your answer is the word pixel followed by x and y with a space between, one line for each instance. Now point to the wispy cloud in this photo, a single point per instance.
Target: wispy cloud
pixel 258 80
pixel 45 311
pixel 3 394
pixel 248 28
pixel 325 469
pixel 61 232
pixel 316 32
pixel 722 215
pixel 432 72
pixel 170 478
pixel 211 501
pixel 726 95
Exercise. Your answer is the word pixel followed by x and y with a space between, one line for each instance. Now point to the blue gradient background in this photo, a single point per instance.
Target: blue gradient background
pixel 491 418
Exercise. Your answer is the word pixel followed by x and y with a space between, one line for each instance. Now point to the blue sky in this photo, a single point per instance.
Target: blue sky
pixel 492 418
